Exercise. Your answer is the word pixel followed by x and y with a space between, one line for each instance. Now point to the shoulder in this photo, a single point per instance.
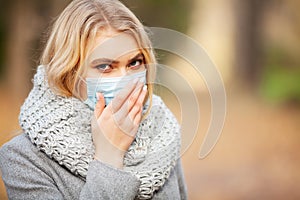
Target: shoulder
pixel 18 148
pixel 20 142
pixel 20 159
pixel 26 172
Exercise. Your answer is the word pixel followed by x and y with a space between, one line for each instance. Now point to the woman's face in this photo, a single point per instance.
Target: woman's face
pixel 113 55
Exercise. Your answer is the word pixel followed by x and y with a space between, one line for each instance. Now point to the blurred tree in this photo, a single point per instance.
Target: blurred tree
pixel 173 14
pixel 281 75
pixel 26 22
pixel 21 27
pixel 3 31
pixel 249 14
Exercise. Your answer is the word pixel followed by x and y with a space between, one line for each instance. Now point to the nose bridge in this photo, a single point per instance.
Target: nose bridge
pixel 122 66
pixel 122 70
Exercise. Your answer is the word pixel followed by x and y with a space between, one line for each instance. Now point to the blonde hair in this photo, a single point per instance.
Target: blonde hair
pixel 73 34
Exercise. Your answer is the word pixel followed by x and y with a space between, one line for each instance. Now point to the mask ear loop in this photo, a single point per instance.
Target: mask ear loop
pixel 84 81
pixel 86 101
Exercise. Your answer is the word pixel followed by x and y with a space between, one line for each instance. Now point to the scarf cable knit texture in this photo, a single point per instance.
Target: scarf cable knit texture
pixel 60 127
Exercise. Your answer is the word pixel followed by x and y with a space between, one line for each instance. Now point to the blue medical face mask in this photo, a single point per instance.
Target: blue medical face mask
pixel 109 87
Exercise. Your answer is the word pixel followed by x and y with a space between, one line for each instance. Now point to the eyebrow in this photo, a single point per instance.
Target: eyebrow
pixel 104 60
pixel 111 61
pixel 136 57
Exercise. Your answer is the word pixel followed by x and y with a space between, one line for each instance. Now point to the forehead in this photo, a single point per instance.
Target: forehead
pixel 113 46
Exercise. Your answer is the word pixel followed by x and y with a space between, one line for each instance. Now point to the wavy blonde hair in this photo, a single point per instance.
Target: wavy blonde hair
pixel 73 34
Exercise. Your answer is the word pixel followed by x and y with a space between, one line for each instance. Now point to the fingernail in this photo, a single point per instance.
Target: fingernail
pixel 98 96
pixel 145 87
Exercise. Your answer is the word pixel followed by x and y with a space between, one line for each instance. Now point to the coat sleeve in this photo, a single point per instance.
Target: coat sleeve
pixel 181 180
pixel 27 177
pixel 126 186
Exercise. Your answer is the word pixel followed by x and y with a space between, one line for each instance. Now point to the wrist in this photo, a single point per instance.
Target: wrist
pixel 114 159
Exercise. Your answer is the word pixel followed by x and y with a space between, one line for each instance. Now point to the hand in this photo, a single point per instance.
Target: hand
pixel 114 127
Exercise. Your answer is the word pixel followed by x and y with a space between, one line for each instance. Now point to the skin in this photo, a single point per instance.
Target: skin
pixel 114 127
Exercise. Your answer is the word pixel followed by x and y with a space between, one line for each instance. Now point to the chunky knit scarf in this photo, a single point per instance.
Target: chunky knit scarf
pixel 60 127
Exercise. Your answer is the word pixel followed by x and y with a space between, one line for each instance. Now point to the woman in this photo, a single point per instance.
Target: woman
pixel 92 127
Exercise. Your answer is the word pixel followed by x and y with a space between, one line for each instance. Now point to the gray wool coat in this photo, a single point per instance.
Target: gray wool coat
pixel 30 174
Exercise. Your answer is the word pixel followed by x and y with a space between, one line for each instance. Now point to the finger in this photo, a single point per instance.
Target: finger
pixel 123 94
pixel 134 111
pixel 138 104
pixel 130 125
pixel 134 97
pixel 99 107
pixel 125 119
pixel 142 95
pixel 125 109
pixel 137 119
pixel 94 125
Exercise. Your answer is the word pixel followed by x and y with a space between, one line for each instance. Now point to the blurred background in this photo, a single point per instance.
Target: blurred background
pixel 255 45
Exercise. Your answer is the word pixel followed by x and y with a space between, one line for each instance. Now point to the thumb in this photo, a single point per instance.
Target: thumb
pixel 99 107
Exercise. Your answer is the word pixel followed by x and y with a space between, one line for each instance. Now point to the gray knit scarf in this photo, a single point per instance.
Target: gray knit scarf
pixel 60 127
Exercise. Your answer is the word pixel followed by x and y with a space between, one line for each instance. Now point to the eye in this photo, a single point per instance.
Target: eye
pixel 104 68
pixel 136 63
